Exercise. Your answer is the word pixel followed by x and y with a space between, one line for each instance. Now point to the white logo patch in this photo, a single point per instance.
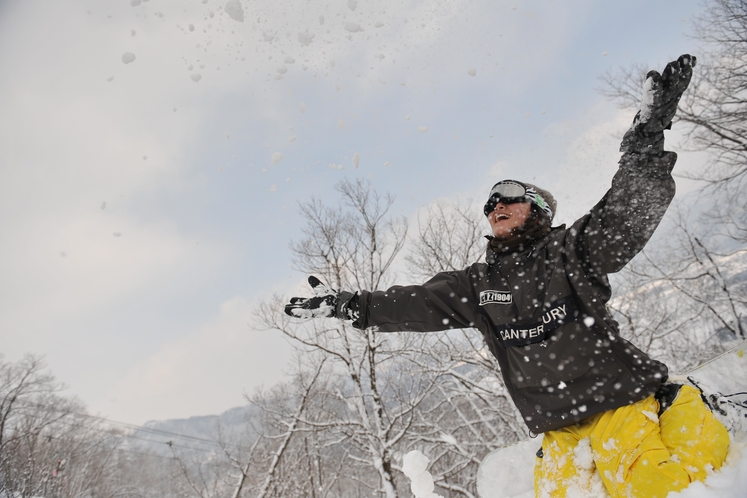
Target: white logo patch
pixel 495 297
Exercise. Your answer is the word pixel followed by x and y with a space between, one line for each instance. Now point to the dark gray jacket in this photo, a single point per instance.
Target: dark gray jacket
pixel 542 310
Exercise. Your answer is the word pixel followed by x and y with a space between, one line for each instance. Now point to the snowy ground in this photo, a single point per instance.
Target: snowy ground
pixel 729 482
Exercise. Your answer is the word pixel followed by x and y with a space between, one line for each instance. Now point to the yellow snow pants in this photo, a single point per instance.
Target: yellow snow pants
pixel 631 452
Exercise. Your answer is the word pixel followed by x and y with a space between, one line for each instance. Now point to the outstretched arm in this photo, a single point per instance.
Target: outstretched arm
pixel 444 302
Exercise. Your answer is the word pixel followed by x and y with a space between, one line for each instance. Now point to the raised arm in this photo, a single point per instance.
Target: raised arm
pixel 621 224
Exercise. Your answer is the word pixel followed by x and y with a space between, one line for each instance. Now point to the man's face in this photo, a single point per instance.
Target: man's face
pixel 506 217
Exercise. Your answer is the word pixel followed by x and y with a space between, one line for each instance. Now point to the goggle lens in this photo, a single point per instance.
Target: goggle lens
pixel 509 192
pixel 506 192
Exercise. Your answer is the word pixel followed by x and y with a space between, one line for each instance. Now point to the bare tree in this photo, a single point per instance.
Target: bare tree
pixel 24 382
pixel 449 238
pixel 203 475
pixel 291 426
pixel 50 445
pixel 374 393
pixel 683 300
pixel 354 244
pixel 471 412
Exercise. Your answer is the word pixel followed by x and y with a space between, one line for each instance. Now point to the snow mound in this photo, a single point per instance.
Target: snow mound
pixel 729 482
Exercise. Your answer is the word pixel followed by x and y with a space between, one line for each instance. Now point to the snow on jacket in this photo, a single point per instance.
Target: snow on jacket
pixel 542 310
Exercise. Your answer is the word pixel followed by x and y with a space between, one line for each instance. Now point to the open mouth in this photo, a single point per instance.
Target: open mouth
pixel 501 216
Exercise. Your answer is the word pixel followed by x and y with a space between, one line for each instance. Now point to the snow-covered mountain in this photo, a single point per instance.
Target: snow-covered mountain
pixel 201 433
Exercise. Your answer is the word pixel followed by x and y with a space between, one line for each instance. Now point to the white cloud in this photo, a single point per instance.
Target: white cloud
pixel 204 372
pixel 74 265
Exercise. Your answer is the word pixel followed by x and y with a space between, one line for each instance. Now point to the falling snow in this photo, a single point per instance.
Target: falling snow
pixel 234 9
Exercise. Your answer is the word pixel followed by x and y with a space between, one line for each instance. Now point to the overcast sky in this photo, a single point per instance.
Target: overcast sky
pixel 144 204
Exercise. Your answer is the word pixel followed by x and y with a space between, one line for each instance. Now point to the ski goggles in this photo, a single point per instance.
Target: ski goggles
pixel 510 192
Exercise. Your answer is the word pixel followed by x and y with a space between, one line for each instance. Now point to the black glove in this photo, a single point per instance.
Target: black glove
pixel 326 302
pixel 661 94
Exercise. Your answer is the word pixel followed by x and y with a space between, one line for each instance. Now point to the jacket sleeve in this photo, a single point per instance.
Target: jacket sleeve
pixel 444 302
pixel 621 224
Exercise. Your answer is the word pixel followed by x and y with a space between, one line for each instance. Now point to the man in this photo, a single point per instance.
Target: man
pixel 540 303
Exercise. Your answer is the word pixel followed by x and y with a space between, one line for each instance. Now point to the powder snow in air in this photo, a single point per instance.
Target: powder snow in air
pixel 274 189
pixel 352 4
pixel 472 71
pixel 422 129
pixel 191 27
pixel 305 38
pixel 234 9
pixel 356 160
pixel 276 158
pixel 353 27
pixel 135 3
pixel 647 100
pixel 341 124
pixel 196 77
pixel 128 57
pixel 321 19
pixel 448 438
pixel 292 139
pixel 414 466
pixel 302 107
pixel 289 59
pixel 282 69
pixel 414 463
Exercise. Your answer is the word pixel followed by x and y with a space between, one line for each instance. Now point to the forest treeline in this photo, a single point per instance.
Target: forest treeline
pixel 359 400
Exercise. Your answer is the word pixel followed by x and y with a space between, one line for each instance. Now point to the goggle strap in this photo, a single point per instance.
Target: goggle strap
pixel 539 201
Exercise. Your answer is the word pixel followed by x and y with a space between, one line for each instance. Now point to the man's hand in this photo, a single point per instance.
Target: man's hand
pixel 661 94
pixel 325 303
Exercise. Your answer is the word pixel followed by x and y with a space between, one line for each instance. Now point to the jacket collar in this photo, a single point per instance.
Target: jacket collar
pixel 496 249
